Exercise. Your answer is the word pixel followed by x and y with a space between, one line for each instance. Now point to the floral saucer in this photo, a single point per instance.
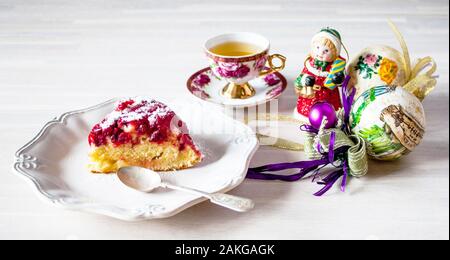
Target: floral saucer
pixel 208 87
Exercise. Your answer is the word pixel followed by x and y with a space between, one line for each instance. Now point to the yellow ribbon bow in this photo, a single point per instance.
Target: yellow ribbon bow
pixel 418 84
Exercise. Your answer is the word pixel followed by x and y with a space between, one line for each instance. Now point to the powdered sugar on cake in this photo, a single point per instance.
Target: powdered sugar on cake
pixel 136 117
pixel 135 109
pixel 158 113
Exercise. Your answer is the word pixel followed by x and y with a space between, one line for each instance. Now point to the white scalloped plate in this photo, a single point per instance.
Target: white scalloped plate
pixel 54 162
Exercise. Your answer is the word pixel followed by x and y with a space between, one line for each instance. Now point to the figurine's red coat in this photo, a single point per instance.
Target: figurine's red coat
pixel 324 94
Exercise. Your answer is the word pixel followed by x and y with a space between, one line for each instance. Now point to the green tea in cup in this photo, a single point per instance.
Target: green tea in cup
pixel 235 48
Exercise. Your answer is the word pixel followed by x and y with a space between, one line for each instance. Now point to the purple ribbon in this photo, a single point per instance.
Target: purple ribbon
pixel 347 101
pixel 329 181
pixel 305 167
pixel 345 176
pixel 309 129
pixel 332 178
pixel 314 166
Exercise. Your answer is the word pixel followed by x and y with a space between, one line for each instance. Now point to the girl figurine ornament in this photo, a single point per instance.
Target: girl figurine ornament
pixel 324 71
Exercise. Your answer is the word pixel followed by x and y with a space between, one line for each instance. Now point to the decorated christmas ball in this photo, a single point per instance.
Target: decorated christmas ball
pixel 322 110
pixel 377 65
pixel 390 119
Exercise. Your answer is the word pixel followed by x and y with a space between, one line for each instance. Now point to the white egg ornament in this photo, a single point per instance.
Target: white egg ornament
pixel 377 65
pixel 383 65
pixel 390 119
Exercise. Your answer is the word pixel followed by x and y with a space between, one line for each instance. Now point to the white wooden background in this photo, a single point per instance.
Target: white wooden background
pixel 60 55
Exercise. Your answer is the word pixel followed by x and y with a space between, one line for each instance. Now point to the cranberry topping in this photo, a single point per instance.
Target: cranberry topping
pixel 124 104
pixel 124 138
pixel 133 119
pixel 186 141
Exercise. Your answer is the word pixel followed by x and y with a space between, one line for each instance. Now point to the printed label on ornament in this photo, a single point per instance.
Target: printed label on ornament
pixel 408 132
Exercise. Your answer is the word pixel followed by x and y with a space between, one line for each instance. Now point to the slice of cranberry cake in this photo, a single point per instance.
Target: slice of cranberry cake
pixel 141 132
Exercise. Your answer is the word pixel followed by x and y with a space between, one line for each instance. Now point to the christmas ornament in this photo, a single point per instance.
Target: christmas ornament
pixel 390 119
pixel 322 110
pixel 383 65
pixel 334 147
pixel 323 72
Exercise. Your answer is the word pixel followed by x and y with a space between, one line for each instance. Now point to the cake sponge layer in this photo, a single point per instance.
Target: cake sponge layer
pixel 158 157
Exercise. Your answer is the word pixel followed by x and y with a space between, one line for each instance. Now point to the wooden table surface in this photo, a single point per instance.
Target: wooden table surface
pixel 57 56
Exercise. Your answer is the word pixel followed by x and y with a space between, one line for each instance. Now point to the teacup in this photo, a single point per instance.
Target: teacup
pixel 239 58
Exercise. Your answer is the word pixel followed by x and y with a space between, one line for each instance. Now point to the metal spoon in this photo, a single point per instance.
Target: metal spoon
pixel 146 180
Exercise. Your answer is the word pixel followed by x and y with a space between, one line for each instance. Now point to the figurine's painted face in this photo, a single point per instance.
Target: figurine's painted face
pixel 323 50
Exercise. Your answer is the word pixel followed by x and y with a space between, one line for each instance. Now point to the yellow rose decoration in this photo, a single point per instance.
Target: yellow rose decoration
pixel 388 70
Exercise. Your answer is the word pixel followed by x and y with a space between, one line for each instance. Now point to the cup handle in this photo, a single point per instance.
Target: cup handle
pixel 272 68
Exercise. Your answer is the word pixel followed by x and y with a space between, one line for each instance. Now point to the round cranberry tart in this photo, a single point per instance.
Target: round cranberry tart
pixel 141 132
